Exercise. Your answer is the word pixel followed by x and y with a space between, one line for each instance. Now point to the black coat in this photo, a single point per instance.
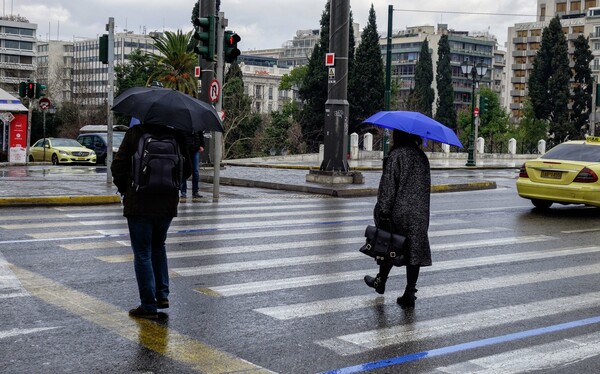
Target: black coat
pixel 403 195
pixel 144 204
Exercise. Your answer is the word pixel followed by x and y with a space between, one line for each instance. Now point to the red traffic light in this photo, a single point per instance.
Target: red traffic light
pixel 30 90
pixel 233 39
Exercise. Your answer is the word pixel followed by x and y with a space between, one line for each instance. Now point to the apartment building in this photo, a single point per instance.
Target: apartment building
pixel 55 69
pixel 90 75
pixel 480 48
pixel 17 52
pixel 578 17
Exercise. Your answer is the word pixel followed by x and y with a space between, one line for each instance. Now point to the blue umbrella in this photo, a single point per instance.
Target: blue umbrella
pixel 134 121
pixel 415 123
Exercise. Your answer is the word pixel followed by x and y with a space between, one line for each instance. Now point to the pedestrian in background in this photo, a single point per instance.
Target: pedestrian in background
pixel 403 207
pixel 195 144
pixel 149 215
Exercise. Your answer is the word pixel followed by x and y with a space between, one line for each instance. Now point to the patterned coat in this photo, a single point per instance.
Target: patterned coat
pixel 404 196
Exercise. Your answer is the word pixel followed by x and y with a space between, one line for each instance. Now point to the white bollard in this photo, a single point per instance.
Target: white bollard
pixel 480 145
pixel 354 146
pixel 445 148
pixel 512 146
pixel 541 146
pixel 321 153
pixel 368 142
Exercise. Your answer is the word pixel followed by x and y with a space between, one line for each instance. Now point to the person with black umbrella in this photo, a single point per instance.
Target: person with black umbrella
pixel 150 203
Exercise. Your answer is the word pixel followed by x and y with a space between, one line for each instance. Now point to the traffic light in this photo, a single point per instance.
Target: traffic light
pixel 40 90
pixel 22 89
pixel 205 36
pixel 103 48
pixel 230 49
pixel 30 90
pixel 483 105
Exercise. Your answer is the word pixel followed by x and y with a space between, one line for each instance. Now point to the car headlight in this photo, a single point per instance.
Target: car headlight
pixel 115 149
pixel 63 152
pixel 92 153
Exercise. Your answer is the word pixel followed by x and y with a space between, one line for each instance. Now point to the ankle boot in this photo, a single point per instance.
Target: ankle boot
pixel 378 283
pixel 408 299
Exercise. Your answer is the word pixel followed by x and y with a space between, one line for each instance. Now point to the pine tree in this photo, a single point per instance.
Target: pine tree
pixel 445 112
pixel 549 81
pixel 583 86
pixel 366 83
pixel 424 93
pixel 313 91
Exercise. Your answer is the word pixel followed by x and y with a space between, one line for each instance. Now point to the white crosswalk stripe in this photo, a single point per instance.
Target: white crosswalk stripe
pixel 539 358
pixel 220 249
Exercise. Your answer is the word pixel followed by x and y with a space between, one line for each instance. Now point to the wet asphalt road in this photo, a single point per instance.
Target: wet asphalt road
pixel 272 281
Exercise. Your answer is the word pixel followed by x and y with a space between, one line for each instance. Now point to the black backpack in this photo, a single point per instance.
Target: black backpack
pixel 157 164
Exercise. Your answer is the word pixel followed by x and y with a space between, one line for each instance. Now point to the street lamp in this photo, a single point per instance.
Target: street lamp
pixel 476 72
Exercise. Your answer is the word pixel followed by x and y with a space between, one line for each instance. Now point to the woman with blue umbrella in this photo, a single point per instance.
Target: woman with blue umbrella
pixel 403 207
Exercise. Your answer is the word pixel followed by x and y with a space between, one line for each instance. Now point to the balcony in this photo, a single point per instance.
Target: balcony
pixel 518 80
pixel 517 106
pixel 519 40
pixel 519 53
pixel 534 39
pixel 518 66
pixel 520 93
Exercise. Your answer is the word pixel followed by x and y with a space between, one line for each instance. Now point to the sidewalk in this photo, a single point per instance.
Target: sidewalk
pixel 42 184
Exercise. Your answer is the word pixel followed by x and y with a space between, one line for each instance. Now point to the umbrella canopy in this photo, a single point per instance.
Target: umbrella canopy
pixel 415 123
pixel 164 106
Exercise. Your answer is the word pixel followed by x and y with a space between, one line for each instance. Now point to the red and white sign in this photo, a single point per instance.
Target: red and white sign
pixel 17 141
pixel 329 59
pixel 44 103
pixel 214 90
pixel 197 71
pixel 221 114
pixel 476 112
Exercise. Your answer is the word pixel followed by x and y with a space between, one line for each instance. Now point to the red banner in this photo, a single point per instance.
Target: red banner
pixel 18 131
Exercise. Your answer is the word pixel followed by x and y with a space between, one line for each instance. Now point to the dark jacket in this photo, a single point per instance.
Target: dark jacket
pixel 143 203
pixel 194 142
pixel 403 195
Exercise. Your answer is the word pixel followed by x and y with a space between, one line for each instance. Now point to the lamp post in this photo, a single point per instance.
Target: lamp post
pixel 476 72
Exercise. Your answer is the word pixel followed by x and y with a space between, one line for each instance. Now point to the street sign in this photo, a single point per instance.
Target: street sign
pixel 7 117
pixel 221 114
pixel 476 112
pixel 44 103
pixel 214 90
pixel 197 71
pixel 329 59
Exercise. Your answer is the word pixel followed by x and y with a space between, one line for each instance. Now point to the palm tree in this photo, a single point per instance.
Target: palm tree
pixel 174 67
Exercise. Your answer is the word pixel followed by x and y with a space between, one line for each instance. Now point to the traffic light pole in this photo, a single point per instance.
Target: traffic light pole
pixel 217 136
pixel 110 27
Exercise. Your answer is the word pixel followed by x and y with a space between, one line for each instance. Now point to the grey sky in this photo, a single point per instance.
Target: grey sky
pixel 260 23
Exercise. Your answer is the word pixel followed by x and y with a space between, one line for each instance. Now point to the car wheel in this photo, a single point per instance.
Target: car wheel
pixel 541 204
pixel 54 159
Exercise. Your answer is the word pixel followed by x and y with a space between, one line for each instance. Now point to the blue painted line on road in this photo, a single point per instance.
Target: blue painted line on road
pixel 463 347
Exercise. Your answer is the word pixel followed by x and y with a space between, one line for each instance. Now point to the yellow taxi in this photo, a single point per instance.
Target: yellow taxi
pixel 567 174
pixel 61 151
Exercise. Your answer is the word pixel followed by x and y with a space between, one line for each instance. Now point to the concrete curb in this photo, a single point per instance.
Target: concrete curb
pixel 361 168
pixel 59 200
pixel 350 192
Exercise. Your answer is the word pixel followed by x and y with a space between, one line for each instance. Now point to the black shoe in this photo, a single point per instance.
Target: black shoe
pixel 408 299
pixel 196 195
pixel 377 283
pixel 140 312
pixel 162 303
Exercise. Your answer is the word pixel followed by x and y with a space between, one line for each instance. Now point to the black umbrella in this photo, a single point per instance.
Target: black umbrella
pixel 165 106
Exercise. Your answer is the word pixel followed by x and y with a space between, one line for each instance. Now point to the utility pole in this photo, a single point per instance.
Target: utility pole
pixel 388 76
pixel 110 27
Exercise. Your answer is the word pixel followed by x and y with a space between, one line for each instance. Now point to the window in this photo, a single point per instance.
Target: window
pixel 590 4
pixel 270 93
pixel 576 5
pixel 13 44
pixel 561 7
pixel 11 30
pixel 258 91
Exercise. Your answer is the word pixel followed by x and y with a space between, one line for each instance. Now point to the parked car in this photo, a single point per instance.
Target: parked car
pixel 98 142
pixel 567 174
pixel 61 150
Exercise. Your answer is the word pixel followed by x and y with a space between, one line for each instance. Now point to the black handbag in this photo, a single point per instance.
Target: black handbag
pixel 384 246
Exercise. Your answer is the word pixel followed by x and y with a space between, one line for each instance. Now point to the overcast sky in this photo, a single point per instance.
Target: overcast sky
pixel 261 23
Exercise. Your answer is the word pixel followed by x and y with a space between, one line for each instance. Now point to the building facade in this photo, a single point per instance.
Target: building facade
pixel 578 17
pixel 90 75
pixel 55 69
pixel 17 52
pixel 406 47
pixel 261 83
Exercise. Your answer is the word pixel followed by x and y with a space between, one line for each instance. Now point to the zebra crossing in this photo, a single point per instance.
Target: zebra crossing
pixel 253 252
